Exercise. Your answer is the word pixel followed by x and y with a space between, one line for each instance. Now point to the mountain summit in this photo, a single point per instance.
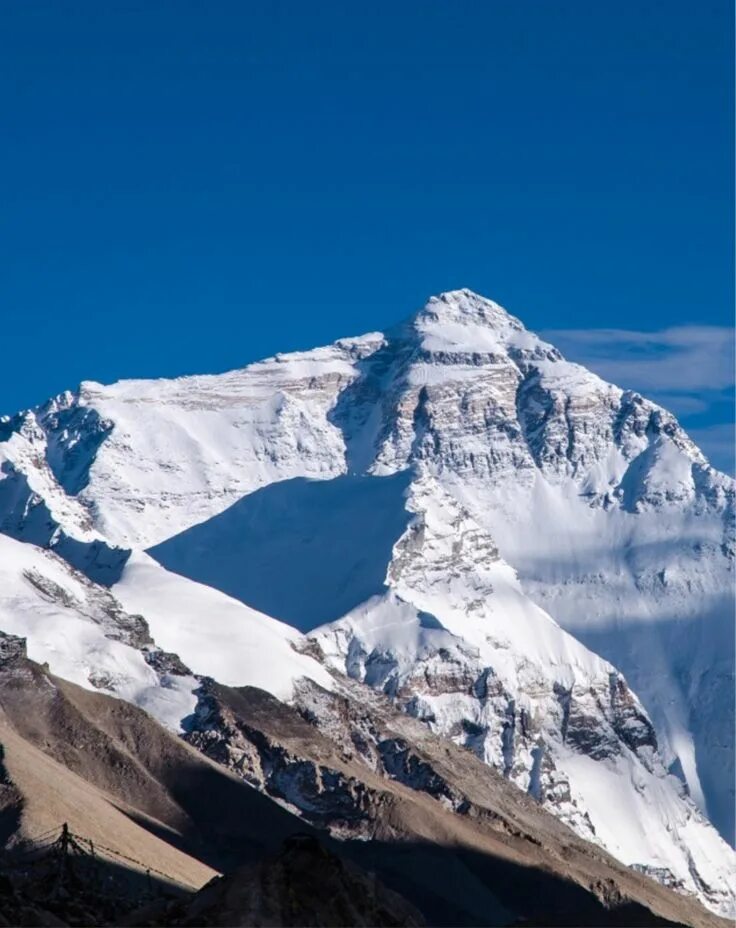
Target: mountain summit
pixel 533 562
pixel 466 306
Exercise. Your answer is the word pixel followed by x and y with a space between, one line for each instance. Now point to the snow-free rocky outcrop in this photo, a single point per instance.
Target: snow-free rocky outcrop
pixel 535 563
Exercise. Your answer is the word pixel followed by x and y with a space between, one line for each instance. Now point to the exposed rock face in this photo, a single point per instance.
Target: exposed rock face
pixel 118 778
pixel 355 765
pixel 530 485
pixel 12 649
pixel 323 796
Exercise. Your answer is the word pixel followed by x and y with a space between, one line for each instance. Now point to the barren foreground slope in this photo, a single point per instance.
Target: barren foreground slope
pixel 117 776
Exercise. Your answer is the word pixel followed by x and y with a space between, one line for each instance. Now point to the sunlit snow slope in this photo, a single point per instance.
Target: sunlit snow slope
pixel 418 500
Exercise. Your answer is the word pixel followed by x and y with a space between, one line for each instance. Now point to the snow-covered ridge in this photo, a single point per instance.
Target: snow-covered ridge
pixel 528 487
pixel 125 643
pixel 456 643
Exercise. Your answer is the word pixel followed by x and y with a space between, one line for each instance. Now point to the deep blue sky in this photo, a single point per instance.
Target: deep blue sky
pixel 190 186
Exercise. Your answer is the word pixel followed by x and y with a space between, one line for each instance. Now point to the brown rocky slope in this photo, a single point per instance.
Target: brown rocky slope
pixel 459 844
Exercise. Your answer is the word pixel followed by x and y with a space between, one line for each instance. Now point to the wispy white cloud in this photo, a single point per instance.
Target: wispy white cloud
pixel 679 359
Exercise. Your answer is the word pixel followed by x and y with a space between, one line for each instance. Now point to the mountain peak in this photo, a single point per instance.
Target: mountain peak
pixel 462 321
pixel 469 308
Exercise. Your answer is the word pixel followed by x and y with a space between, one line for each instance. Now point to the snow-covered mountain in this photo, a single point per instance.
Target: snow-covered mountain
pixel 428 504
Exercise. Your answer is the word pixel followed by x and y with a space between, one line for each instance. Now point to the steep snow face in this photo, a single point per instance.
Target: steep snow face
pixel 139 461
pixel 303 551
pixel 215 635
pixel 83 633
pixel 139 643
pixel 514 461
pixel 612 517
pixel 456 643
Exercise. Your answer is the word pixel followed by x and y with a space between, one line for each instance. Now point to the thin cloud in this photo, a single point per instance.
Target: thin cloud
pixel 681 359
